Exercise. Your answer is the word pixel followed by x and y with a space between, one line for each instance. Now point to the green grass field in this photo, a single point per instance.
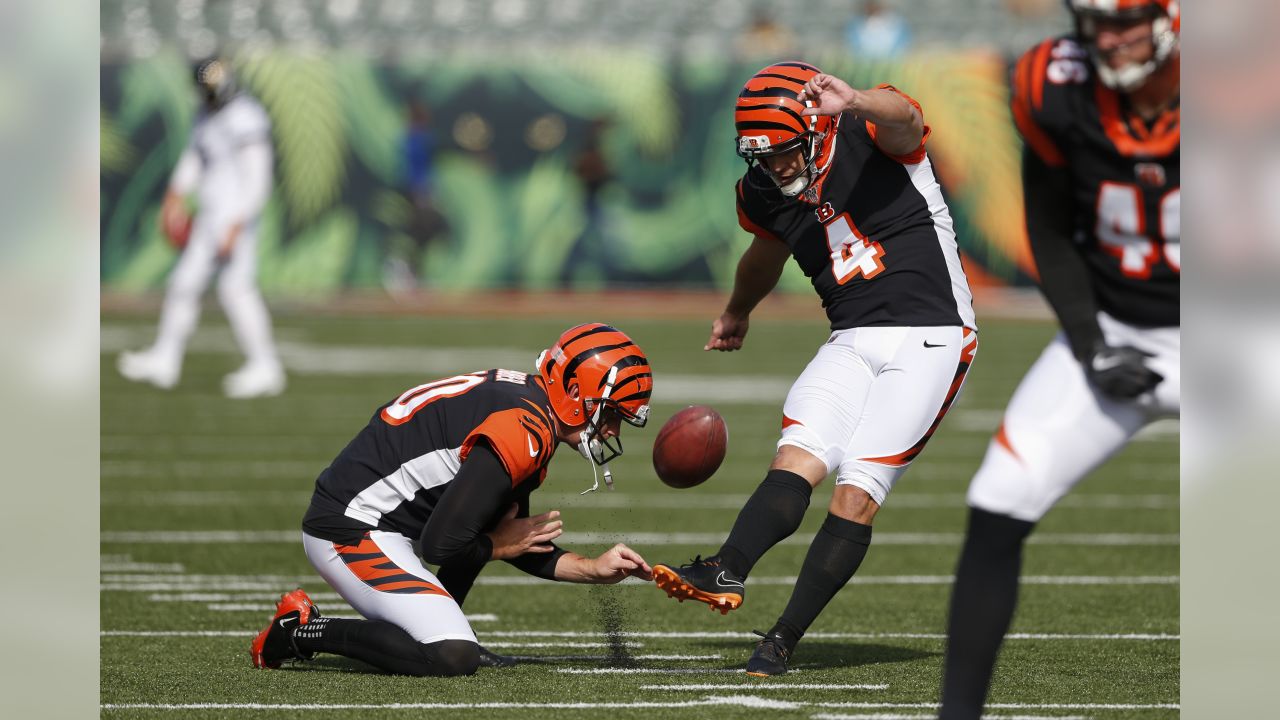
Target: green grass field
pixel 202 499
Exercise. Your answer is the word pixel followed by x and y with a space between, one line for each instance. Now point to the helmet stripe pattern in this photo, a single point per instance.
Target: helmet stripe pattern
pixel 770 120
pixel 588 357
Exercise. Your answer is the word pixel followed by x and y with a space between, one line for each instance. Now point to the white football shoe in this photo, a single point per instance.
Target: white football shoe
pixel 149 367
pixel 254 380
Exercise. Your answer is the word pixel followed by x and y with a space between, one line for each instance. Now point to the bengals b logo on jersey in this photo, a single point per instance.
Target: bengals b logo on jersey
pixel 825 213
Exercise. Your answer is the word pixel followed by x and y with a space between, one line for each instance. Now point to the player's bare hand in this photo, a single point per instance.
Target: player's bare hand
pixel 620 562
pixel 516 536
pixel 829 94
pixel 728 332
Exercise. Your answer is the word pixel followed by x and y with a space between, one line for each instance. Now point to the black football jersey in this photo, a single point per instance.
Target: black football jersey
pixel 873 234
pixel 1124 176
pixel 392 474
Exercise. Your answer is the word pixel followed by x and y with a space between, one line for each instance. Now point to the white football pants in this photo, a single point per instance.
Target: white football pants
pixel 1058 427
pixel 384 579
pixel 237 292
pixel 872 397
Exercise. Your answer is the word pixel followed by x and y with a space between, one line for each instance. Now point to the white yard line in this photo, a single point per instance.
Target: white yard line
pixel 900 716
pixel 653 670
pixel 1007 706
pixel 598 658
pixel 195 584
pixel 306 358
pixel 755 687
pixel 691 502
pixel 726 635
pixel 234 537
pixel 750 702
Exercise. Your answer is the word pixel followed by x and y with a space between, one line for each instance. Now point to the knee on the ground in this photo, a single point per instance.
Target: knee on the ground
pixel 449 658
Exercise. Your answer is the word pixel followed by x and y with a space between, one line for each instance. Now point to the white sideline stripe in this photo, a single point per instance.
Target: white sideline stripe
pixel 417 706
pixel 177 633
pixel 597 658
pixel 141 567
pixel 227 537
pixel 592 645
pixel 754 687
pixel 306 358
pixel 269 607
pixel 615 705
pixel 899 716
pixel 654 671
pixel 1008 706
pixel 196 583
pixel 727 634
pixel 685 636
pixel 663 501
pixel 939 467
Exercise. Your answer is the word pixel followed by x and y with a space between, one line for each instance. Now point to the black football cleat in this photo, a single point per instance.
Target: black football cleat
pixel 702 580
pixel 770 656
pixel 274 645
pixel 491 659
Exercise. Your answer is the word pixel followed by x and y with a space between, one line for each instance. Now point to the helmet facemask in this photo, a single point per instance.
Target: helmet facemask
pixel 601 412
pixel 809 144
pixel 1130 76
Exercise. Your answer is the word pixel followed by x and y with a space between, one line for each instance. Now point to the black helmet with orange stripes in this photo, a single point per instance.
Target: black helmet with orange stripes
pixel 769 122
pixel 594 373
pixel 1166 24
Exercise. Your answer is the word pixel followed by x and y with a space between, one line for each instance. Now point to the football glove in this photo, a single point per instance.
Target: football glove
pixel 1121 372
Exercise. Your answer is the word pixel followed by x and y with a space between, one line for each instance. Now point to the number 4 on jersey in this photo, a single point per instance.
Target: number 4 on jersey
pixel 852 254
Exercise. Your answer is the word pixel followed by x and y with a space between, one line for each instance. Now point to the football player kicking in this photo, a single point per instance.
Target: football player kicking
pixel 1099 113
pixel 839 179
pixel 450 465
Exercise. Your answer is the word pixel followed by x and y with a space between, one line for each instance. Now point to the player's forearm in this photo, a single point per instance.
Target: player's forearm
pixel 756 278
pixel 1064 277
pixel 541 565
pixel 575 568
pixel 887 109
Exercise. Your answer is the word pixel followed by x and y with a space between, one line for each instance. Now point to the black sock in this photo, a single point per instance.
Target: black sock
pixel 387 647
pixel 834 556
pixel 771 514
pixel 982 604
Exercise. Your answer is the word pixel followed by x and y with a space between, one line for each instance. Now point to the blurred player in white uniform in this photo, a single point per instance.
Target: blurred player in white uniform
pixel 227 164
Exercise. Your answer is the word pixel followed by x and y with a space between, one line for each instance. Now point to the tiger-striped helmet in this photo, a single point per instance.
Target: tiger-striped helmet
pixel 591 372
pixel 769 122
pixel 1166 25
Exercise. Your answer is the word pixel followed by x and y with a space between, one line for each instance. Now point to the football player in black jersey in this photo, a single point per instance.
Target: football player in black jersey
pixel 1099 112
pixel 839 179
pixel 449 465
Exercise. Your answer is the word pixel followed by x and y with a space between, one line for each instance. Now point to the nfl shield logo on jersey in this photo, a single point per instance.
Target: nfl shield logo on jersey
pixel 1150 174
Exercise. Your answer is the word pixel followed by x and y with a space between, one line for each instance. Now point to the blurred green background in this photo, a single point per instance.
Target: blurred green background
pixel 509 134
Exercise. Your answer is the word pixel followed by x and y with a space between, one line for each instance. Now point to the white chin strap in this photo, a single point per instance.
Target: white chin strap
pixel 797 186
pixel 595 478
pixel 588 443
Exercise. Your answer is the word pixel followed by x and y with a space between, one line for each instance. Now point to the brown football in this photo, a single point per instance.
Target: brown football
pixel 690 447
